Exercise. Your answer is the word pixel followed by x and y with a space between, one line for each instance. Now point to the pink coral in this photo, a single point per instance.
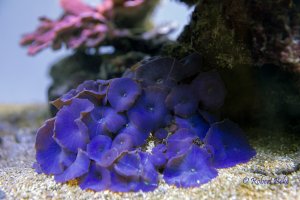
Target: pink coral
pixel 81 26
pixel 75 7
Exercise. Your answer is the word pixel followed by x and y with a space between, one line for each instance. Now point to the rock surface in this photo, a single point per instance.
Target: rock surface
pixel 278 156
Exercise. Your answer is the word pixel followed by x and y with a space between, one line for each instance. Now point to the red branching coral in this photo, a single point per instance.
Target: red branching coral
pixel 81 26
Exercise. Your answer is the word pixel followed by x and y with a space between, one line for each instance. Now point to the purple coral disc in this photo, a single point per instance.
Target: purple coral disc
pixel 122 93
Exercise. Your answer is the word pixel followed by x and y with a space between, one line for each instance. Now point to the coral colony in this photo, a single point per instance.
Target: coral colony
pixel 122 134
pixel 80 27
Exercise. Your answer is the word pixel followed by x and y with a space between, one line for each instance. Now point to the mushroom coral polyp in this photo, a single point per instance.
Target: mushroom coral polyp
pixel 100 135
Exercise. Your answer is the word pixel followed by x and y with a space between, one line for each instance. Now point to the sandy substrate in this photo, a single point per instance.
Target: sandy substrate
pixel 273 174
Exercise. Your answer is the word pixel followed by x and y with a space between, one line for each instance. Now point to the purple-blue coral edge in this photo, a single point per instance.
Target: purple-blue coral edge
pixel 104 145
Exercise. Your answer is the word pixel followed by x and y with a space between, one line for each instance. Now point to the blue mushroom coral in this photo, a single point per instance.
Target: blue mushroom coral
pixel 100 135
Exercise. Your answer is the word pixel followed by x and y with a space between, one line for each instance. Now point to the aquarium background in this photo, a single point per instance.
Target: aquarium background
pixel 25 79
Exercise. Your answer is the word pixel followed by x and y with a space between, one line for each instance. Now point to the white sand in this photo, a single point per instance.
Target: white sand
pixel 277 155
